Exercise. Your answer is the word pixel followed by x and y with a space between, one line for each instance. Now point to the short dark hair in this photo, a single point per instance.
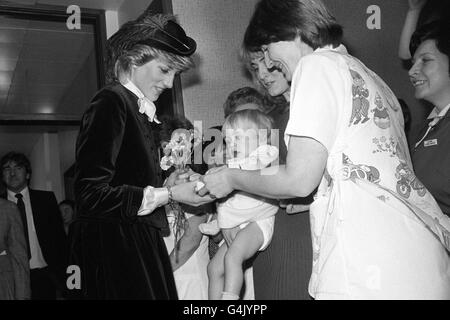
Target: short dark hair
pixel 171 123
pixel 242 96
pixel 275 20
pixel 19 158
pixel 437 31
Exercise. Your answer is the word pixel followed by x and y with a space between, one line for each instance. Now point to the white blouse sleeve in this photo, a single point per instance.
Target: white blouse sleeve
pixel 318 96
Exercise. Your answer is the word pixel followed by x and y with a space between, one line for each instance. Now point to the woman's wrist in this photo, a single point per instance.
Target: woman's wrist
pixel 174 193
pixel 169 194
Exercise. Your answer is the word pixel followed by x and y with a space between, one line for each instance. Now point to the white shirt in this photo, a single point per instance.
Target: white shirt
pixel 436 114
pixel 37 258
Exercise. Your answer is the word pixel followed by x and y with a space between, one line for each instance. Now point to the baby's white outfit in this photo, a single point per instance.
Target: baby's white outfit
pixel 242 208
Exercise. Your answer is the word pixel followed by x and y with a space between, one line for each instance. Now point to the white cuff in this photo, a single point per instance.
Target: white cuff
pixel 153 198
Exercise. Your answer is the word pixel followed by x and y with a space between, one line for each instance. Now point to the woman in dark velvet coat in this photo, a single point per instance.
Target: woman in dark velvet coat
pixel 116 239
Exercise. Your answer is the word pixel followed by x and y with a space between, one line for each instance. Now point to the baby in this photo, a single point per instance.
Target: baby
pixel 246 134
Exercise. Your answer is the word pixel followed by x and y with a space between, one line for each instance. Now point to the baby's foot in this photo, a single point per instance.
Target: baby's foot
pixel 210 228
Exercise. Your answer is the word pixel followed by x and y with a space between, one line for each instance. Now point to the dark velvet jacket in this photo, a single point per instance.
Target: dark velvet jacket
pixel 121 255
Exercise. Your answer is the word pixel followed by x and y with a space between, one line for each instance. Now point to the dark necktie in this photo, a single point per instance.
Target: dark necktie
pixel 23 215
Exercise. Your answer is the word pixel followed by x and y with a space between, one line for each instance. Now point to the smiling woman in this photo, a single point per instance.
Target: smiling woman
pixel 430 76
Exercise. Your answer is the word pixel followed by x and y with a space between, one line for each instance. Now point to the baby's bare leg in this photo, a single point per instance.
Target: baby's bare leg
pixel 216 273
pixel 244 246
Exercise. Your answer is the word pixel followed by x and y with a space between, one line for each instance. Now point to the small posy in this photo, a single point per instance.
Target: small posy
pixel 178 151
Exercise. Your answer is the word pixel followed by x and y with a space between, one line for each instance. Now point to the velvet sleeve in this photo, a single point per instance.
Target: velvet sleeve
pixel 98 145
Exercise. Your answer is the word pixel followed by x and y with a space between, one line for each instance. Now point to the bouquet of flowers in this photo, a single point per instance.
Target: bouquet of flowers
pixel 178 154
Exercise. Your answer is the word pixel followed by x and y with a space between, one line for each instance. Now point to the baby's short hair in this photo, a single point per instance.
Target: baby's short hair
pixel 248 119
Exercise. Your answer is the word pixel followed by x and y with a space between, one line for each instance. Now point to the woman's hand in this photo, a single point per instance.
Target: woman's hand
pixel 186 193
pixel 180 176
pixel 171 180
pixel 416 4
pixel 217 182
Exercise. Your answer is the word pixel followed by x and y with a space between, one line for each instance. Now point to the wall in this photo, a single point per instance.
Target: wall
pixel 46 167
pixel 67 136
pixel 131 10
pixel 218 27
pixel 112 22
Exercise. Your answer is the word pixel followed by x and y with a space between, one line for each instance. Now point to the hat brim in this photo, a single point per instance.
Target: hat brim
pixel 185 48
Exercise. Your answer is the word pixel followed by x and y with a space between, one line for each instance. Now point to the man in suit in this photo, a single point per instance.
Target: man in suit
pixel 43 227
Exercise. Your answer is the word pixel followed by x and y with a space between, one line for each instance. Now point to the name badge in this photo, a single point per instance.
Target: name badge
pixel 429 143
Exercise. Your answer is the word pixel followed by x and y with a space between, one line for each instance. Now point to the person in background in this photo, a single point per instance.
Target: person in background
pixel 420 12
pixel 412 19
pixel 67 209
pixel 43 228
pixel 14 264
pixel 243 98
pixel 430 77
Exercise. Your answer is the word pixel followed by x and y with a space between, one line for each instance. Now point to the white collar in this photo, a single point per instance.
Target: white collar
pixel 12 195
pixel 435 114
pixel 341 49
pixel 145 104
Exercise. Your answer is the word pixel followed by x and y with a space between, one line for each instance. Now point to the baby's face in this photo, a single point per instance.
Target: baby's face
pixel 240 143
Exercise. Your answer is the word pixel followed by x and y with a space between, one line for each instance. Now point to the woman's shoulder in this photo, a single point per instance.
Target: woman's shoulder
pixel 325 62
pixel 112 91
pixel 328 58
pixel 113 96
